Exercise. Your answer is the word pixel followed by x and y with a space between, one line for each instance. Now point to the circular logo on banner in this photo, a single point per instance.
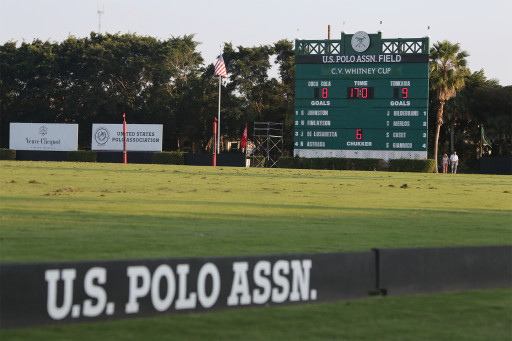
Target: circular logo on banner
pixel 101 135
pixel 43 130
pixel 360 41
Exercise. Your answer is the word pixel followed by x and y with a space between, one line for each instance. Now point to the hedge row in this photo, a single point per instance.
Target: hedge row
pixel 169 158
pixel 7 154
pixel 178 158
pixel 331 163
pixel 400 165
pixel 82 156
pixel 408 165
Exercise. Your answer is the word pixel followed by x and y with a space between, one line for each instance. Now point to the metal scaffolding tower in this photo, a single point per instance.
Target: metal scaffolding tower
pixel 268 140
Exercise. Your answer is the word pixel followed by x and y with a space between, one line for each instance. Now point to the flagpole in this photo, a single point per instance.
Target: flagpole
pixel 481 142
pixel 218 124
pixel 218 114
pixel 220 70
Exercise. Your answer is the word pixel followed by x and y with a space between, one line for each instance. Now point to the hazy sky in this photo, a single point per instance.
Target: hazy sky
pixel 483 28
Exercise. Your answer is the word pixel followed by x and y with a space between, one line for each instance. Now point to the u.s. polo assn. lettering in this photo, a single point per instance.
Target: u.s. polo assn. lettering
pixel 169 287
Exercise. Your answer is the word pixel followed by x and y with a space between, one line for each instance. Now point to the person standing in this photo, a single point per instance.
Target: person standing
pixel 446 160
pixel 455 162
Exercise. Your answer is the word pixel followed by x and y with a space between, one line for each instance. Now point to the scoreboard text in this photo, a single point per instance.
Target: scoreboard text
pixel 361 98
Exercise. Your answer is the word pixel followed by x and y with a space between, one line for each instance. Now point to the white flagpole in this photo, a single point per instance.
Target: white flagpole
pixel 218 117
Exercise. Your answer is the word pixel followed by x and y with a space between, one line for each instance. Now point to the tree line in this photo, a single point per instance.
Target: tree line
pixel 468 102
pixel 98 78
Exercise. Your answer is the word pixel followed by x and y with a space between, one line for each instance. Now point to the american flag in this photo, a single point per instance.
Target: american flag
pixel 220 67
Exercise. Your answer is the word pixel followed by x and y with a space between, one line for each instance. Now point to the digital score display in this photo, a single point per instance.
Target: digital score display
pixel 401 93
pixel 363 101
pixel 359 93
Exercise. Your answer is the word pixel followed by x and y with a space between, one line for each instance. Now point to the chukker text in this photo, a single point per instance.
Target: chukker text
pixel 55 293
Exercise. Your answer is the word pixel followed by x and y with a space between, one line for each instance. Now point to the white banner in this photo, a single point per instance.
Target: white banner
pixel 139 137
pixel 43 136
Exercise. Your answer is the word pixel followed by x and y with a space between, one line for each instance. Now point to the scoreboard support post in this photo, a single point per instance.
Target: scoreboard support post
pixel 361 97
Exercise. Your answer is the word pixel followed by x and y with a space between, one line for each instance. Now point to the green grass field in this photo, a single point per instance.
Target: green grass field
pixel 90 211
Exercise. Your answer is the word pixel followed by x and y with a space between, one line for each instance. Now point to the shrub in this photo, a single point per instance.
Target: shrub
pixel 411 165
pixel 169 158
pixel 7 154
pixel 401 165
pixel 82 156
pixel 288 162
pixel 331 163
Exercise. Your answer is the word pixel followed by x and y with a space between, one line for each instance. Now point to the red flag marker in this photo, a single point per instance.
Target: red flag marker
pixel 214 140
pixel 125 159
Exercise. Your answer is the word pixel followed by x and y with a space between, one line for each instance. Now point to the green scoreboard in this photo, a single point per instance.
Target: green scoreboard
pixel 361 97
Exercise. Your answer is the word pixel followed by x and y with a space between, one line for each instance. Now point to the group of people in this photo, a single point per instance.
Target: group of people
pixel 453 160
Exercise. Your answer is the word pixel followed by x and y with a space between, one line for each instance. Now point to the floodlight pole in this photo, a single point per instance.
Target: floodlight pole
pixel 100 12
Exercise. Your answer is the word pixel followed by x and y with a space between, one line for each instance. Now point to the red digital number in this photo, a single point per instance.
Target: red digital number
pixel 364 92
pixel 400 93
pixel 325 92
pixel 359 134
pixel 357 93
pixel 405 92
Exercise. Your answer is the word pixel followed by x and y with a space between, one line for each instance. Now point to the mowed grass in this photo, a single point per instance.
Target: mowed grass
pixel 90 211
pixel 70 211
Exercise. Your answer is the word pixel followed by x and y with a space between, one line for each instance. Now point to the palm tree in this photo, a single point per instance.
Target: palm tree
pixel 447 71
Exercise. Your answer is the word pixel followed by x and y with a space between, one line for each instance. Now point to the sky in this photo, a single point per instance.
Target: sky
pixel 482 28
